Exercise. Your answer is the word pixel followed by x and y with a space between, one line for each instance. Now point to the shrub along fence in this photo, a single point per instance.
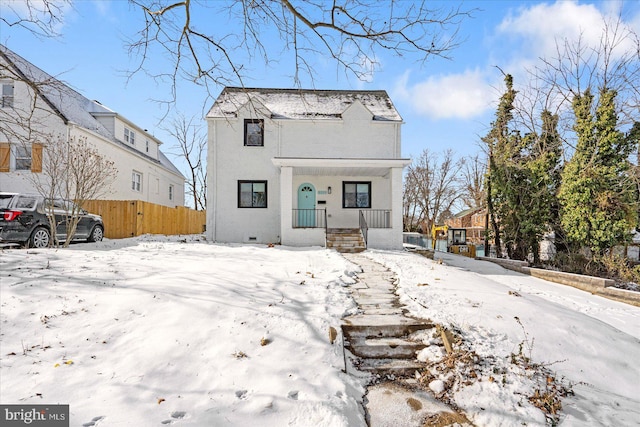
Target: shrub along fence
pixel 130 218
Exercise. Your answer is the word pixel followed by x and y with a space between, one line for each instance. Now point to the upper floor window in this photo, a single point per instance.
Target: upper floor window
pixel 254 132
pixel 170 192
pixel 146 146
pixel 356 194
pixel 136 181
pixel 252 194
pixel 129 136
pixel 7 95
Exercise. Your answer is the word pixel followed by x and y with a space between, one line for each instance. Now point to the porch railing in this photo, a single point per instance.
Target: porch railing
pixel 309 218
pixel 377 218
pixel 364 228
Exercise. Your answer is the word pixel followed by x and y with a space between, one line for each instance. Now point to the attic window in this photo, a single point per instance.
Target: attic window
pixel 7 95
pixel 254 133
pixel 129 136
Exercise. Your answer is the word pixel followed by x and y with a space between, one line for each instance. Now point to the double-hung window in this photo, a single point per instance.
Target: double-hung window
pixel 170 192
pixel 136 181
pixel 129 136
pixel 252 194
pixel 356 194
pixel 7 94
pixel 23 157
pixel 254 132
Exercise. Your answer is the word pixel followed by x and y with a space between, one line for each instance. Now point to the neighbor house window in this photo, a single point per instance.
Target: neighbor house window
pixel 23 158
pixel 136 181
pixel 129 136
pixel 253 133
pixel 146 146
pixel 171 192
pixel 7 95
pixel 252 194
pixel 356 194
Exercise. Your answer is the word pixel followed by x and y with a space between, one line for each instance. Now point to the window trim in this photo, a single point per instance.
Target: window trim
pixel 248 122
pixel 344 193
pixel 251 181
pixel 135 174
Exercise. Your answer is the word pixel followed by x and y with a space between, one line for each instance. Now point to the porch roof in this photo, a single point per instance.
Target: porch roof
pixel 342 166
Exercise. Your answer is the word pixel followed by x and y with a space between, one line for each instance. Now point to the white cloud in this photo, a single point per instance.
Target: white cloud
pixel 464 95
pixel 541 27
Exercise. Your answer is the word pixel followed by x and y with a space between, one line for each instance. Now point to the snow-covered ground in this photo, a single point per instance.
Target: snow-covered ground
pixel 173 330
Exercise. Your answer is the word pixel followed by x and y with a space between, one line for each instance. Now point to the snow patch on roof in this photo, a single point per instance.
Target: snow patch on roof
pixel 303 103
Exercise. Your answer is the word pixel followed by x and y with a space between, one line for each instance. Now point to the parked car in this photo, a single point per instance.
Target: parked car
pixel 23 220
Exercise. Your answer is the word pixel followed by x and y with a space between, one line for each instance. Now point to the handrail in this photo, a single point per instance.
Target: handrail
pixel 364 228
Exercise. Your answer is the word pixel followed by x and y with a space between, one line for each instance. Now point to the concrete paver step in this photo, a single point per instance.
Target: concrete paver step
pixel 385 348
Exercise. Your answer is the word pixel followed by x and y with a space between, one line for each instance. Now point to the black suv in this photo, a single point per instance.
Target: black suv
pixel 23 220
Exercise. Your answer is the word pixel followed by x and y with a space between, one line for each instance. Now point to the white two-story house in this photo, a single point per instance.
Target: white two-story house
pixel 298 166
pixel 37 108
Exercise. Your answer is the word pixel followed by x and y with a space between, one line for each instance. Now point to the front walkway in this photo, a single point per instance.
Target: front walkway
pixel 381 339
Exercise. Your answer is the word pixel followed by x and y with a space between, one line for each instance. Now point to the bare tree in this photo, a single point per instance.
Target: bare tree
pixel 431 189
pixel 192 147
pixel 472 177
pixel 350 32
pixel 74 171
pixel 613 63
pixel 41 17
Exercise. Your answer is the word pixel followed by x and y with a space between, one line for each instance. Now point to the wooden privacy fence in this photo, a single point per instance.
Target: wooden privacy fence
pixel 130 218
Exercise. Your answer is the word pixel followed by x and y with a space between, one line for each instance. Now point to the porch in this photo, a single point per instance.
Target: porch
pixel 319 195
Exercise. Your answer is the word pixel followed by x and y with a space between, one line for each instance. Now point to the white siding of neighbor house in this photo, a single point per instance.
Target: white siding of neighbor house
pixel 156 178
pixel 125 163
pixel 22 180
pixel 354 136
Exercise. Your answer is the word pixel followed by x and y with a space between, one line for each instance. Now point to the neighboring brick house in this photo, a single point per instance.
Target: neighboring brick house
pixel 36 108
pixel 289 166
pixel 473 220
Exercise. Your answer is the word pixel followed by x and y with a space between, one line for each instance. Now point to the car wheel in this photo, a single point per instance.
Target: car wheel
pixel 40 238
pixel 96 234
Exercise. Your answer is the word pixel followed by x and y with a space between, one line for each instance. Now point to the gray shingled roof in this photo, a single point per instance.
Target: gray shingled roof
pixel 69 104
pixel 303 103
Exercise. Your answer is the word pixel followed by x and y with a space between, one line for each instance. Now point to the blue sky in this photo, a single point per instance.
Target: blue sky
pixel 444 103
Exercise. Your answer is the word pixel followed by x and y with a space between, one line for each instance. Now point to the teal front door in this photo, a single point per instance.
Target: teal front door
pixel 306 205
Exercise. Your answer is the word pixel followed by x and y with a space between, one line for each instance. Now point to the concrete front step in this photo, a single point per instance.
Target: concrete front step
pixel 353 329
pixel 385 348
pixel 397 367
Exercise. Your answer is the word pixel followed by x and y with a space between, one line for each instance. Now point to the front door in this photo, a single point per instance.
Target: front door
pixel 306 205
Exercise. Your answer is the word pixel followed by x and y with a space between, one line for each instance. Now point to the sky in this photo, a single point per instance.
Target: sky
pixel 101 327
pixel 445 103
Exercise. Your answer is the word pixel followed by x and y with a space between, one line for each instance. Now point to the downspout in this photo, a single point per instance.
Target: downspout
pixel 215 179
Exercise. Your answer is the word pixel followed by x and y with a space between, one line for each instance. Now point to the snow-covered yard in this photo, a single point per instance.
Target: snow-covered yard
pixel 173 330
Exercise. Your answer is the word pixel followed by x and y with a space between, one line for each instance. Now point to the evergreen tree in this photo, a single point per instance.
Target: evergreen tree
pixel 522 180
pixel 597 195
pixel 496 141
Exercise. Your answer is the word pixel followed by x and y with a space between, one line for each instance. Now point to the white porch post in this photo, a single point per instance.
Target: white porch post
pixel 396 207
pixel 286 203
